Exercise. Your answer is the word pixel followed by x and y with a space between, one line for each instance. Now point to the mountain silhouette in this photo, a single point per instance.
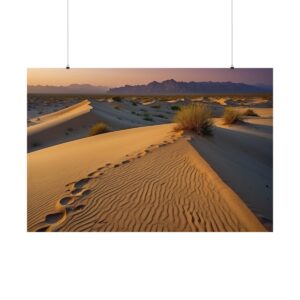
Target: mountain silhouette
pixel 172 86
pixel 69 89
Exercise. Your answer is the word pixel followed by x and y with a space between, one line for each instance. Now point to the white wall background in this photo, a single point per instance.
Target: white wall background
pixel 156 33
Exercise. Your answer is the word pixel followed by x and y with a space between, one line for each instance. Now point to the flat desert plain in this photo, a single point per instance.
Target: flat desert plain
pixel 143 174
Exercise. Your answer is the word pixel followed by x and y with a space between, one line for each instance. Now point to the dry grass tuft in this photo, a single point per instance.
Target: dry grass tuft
pixel 250 112
pixel 195 117
pixel 231 116
pixel 98 128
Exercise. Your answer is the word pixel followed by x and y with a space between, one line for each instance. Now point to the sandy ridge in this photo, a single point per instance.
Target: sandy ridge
pixel 170 189
pixel 53 119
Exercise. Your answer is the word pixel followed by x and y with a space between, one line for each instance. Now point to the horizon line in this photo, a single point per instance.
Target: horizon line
pixel 171 79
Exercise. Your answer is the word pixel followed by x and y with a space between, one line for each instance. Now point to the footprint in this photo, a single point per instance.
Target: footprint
pixel 139 155
pixel 85 193
pixel 79 207
pixel 42 229
pixel 76 192
pixel 95 173
pixel 125 161
pixel 66 200
pixel 68 203
pixel 82 182
pixel 53 218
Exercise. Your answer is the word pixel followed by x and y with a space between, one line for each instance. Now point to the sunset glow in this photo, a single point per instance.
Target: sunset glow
pixel 117 77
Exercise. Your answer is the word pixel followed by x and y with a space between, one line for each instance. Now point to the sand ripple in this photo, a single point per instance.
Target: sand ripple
pixel 162 189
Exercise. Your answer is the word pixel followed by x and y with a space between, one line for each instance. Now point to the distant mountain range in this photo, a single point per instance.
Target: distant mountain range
pixel 167 87
pixel 69 89
pixel 175 87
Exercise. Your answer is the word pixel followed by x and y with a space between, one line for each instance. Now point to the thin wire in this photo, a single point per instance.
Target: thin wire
pixel 232 67
pixel 68 35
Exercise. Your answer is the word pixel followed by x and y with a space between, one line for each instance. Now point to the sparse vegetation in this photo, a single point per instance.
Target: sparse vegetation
pixel 195 117
pixel 116 107
pixel 250 112
pixel 231 116
pixel 175 107
pixel 98 128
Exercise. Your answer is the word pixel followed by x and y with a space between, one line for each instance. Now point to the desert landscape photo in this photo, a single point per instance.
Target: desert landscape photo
pixel 147 150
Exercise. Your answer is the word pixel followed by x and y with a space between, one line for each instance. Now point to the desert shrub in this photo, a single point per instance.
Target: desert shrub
pixel 116 107
pixel 98 128
pixel 250 112
pixel 117 98
pixel 134 103
pixel 175 107
pixel 195 117
pixel 231 116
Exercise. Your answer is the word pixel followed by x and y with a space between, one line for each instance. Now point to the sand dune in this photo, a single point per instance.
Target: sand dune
pixel 61 126
pixel 50 169
pixel 147 178
pixel 242 155
pixel 142 179
pixel 60 116
pixel 75 121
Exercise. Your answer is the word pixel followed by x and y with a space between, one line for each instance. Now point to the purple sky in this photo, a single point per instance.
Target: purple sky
pixel 117 77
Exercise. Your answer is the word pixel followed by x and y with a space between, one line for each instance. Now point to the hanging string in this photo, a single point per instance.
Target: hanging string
pixel 232 67
pixel 68 34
